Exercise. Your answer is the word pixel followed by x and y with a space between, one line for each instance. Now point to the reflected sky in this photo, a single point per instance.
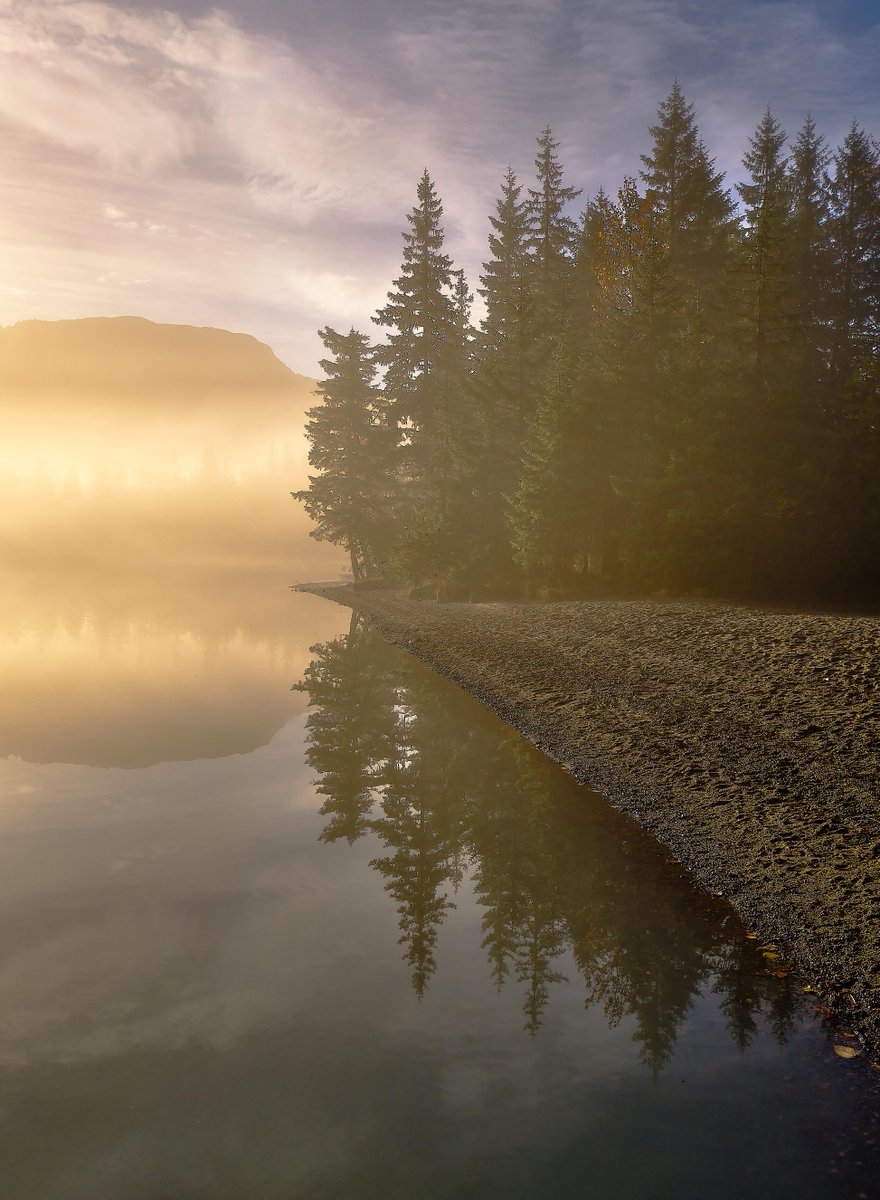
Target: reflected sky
pixel 130 671
pixel 209 988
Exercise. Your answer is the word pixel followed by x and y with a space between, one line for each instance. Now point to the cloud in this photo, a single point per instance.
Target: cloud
pixel 150 91
pixel 116 279
pixel 261 182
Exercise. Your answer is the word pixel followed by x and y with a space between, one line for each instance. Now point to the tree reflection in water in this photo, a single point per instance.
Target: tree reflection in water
pixel 448 790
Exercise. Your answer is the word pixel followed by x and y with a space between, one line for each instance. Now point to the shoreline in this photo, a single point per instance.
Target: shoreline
pixel 747 741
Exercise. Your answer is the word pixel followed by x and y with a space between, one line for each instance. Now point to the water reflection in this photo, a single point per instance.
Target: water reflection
pixel 130 670
pixel 201 991
pixel 560 877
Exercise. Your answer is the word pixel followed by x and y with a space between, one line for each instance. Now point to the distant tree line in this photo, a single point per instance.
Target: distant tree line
pixel 675 392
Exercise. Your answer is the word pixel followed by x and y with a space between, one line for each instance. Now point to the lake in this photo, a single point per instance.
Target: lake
pixel 286 915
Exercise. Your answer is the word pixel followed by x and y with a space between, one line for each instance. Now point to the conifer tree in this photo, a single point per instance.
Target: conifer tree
pixel 505 279
pixel 810 263
pixel 426 357
pixel 851 493
pixel 692 216
pixel 766 197
pixel 553 235
pixel 420 314
pixel 352 446
pixel 689 229
pixel 855 230
pixel 505 369
pixel 687 192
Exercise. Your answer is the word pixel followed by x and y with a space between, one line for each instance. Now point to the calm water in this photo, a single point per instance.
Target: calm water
pixel 281 922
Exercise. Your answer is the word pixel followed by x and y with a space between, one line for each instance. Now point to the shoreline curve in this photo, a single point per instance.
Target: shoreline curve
pixel 747 741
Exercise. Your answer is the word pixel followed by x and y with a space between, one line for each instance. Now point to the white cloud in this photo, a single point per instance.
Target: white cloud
pixel 261 182
pixel 150 91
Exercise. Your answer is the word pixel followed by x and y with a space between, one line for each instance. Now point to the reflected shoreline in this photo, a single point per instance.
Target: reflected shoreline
pixel 450 792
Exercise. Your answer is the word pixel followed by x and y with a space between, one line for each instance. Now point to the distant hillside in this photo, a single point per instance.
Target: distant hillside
pixel 117 359
pixel 127 443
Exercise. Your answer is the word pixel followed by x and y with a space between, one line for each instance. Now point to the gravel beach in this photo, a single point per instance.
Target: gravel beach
pixel 746 740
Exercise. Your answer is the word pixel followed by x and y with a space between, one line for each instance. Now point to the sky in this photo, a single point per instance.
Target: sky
pixel 251 166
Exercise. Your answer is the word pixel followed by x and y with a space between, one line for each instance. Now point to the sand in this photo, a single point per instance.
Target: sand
pixel 746 740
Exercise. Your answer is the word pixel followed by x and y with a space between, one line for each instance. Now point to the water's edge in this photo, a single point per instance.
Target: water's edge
pixel 753 812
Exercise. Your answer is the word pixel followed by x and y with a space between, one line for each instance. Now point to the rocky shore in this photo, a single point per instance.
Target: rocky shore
pixel 746 740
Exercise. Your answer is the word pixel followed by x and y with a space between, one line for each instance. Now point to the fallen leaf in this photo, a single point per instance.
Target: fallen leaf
pixel 809 988
pixel 751 936
pixel 845 1051
pixel 770 954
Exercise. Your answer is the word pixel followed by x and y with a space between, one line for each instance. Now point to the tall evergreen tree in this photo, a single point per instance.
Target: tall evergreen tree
pixel 810 264
pixel 855 228
pixel 352 447
pixel 420 315
pixel 505 369
pixel 553 236
pixel 851 491
pixel 426 357
pixel 766 199
pixel 687 192
pixel 693 218
pixel 690 229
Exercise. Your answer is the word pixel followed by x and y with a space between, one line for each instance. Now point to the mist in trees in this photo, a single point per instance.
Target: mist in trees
pixel 677 391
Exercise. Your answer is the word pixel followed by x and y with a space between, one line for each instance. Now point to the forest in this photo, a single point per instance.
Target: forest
pixel 676 393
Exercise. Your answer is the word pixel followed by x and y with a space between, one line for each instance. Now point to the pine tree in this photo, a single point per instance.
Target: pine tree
pixel 420 315
pixel 692 218
pixel 694 209
pixel 504 371
pixel 852 469
pixel 766 197
pixel 810 263
pixel 553 236
pixel 352 447
pixel 427 360
pixel 855 229
pixel 688 229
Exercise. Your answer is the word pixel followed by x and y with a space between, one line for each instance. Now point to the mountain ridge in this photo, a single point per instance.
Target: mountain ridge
pixel 133 356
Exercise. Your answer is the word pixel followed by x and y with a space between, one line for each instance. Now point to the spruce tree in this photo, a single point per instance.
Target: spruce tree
pixel 810 264
pixel 855 229
pixel 852 492
pixel 426 357
pixel 553 236
pixel 767 204
pixel 694 209
pixel 420 315
pixel 693 219
pixel 689 230
pixel 352 446
pixel 505 371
